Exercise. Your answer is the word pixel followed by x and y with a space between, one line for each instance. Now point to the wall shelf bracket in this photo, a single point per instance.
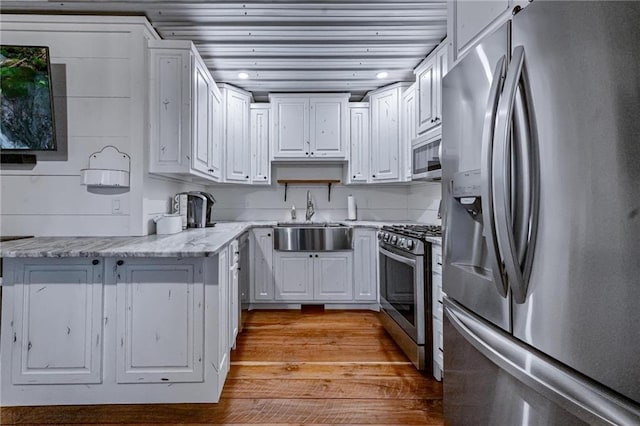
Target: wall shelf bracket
pixel 329 182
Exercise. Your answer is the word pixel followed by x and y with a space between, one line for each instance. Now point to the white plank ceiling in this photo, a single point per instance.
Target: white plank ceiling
pixel 285 45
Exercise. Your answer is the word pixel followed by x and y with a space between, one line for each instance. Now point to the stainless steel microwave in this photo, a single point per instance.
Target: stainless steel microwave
pixel 425 156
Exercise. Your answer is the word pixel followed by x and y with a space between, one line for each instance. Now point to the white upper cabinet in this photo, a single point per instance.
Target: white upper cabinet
pixel 236 130
pixel 184 112
pixel 408 129
pixel 470 21
pixel 309 126
pixel 386 147
pixel 429 88
pixel 358 170
pixel 260 162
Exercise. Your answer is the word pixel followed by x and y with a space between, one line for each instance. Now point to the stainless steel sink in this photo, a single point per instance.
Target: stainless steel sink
pixel 312 237
pixel 311 224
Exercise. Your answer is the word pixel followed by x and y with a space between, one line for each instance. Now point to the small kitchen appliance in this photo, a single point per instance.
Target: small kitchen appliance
pixel 199 211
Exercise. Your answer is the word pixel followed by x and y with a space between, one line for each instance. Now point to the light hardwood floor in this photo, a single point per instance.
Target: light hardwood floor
pixel 290 367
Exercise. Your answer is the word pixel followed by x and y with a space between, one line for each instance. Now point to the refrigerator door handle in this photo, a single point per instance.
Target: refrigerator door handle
pixel 517 280
pixel 487 199
pixel 591 402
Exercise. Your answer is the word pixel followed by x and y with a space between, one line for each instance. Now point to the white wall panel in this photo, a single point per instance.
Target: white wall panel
pixel 101 100
pixel 94 77
pixel 68 42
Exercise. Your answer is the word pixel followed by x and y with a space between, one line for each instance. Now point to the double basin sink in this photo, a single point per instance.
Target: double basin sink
pixel 314 236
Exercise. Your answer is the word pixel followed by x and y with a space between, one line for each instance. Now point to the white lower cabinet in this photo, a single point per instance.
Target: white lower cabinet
pixel 332 276
pixel 320 277
pixel 294 276
pixel 365 264
pixel 160 320
pixel 262 279
pixel 56 328
pixel 116 330
pixel 437 310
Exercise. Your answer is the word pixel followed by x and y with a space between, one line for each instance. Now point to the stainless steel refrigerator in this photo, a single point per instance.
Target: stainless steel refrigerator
pixel 541 189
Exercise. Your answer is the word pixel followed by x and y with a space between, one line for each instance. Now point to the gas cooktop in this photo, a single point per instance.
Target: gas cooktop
pixel 415 231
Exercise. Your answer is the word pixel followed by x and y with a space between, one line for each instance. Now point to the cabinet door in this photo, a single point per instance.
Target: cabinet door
pixel 427 100
pixel 359 140
pixel 170 111
pixel 234 298
pixel 216 132
pixel 57 320
pixel 332 276
pixel 385 138
pixel 442 66
pixel 201 120
pixel 262 278
pixel 223 310
pixel 294 276
pixel 237 143
pixel 471 18
pixel 291 128
pixel 260 163
pixel 327 118
pixel 365 264
pixel 160 325
pixel 408 129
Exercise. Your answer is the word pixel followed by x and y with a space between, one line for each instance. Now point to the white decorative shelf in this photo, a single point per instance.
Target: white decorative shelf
pixel 107 168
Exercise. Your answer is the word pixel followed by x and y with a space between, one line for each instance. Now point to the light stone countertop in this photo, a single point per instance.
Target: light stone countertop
pixel 199 242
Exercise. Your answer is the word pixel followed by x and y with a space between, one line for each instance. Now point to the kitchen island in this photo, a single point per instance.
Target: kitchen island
pixel 118 320
pixel 110 320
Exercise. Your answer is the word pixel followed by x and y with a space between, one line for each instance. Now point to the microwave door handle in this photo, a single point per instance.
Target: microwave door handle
pixel 502 181
pixel 397 257
pixel 487 199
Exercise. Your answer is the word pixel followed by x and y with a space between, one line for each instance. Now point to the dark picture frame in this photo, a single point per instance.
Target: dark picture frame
pixel 26 99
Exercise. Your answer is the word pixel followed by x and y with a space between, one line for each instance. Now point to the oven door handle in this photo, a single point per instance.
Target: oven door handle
pixel 397 257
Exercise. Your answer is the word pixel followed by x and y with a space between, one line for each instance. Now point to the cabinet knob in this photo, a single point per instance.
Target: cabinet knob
pixel 120 262
pixel 373 175
pixel 310 255
pixel 265 178
pixel 316 255
pixel 95 262
pixel 354 176
pixel 246 177
pixel 268 235
pixel 306 153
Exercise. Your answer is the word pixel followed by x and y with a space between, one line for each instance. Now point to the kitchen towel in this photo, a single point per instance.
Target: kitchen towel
pixel 351 208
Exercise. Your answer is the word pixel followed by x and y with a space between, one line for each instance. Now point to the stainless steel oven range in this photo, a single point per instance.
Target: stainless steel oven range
pixel 405 289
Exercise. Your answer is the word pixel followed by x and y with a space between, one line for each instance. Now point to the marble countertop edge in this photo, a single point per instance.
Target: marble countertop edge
pixel 200 242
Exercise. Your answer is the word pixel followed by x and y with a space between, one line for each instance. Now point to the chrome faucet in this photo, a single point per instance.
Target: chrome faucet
pixel 310 210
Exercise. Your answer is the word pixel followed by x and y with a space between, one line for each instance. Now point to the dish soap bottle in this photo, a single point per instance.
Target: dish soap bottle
pixel 293 212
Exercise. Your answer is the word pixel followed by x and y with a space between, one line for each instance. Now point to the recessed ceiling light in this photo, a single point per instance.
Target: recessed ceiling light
pixel 243 75
pixel 382 74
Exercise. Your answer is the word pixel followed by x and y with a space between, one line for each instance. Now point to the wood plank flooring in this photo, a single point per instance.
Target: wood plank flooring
pixel 290 367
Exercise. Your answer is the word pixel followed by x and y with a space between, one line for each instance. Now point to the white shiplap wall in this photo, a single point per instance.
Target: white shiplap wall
pixel 101 98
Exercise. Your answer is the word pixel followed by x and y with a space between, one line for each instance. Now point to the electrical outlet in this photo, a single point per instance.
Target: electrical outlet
pixel 115 206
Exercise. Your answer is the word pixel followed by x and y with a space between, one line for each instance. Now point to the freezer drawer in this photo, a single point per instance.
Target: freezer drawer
pixel 492 378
